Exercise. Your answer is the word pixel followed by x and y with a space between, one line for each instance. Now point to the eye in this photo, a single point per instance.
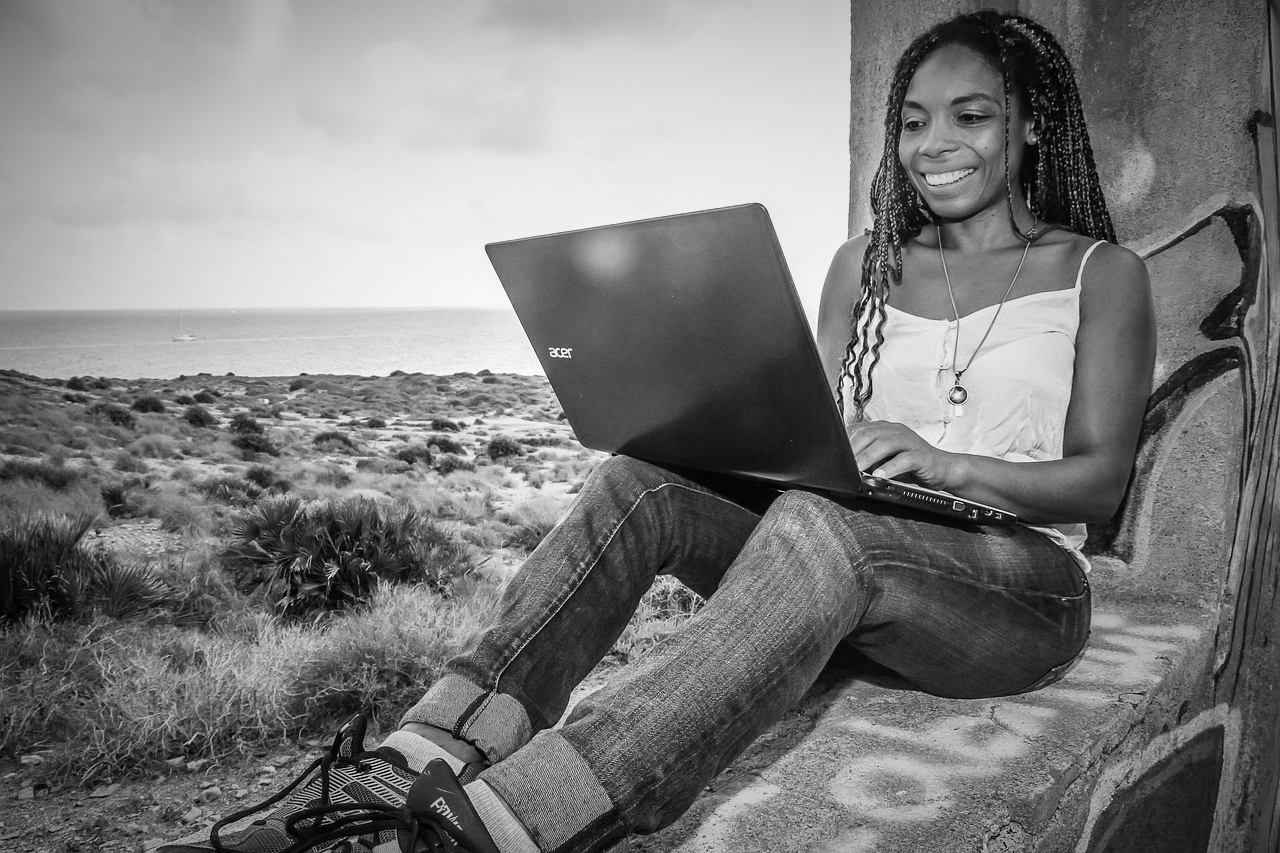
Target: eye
pixel 911 125
pixel 972 118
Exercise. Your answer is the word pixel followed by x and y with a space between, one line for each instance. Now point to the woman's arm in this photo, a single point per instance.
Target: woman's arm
pixel 1115 356
pixel 840 291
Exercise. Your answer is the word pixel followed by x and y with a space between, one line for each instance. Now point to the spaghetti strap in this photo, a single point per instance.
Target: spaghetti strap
pixel 1084 260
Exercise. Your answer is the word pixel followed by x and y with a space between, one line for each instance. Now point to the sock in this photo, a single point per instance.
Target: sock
pixel 417 750
pixel 503 825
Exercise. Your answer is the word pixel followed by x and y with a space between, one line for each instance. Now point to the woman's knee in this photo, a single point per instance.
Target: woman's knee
pixel 819 542
pixel 799 515
pixel 627 474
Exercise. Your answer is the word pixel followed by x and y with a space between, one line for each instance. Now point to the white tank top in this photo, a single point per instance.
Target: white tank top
pixel 1019 383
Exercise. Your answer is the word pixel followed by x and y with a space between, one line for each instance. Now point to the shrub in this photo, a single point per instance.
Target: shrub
pixel 531 521
pixel 185 400
pixel 383 655
pixel 444 424
pixel 250 444
pixel 176 512
pixel 260 475
pixel 75 398
pixel 544 441
pixel 449 462
pixel 445 444
pixel 79 383
pixel 154 446
pixel 47 569
pixel 148 403
pixel 503 445
pixel 198 416
pixel 229 490
pixel 206 397
pixel 414 454
pixel 243 423
pixel 125 461
pixel 329 555
pixel 115 413
pixel 376 423
pixel 55 477
pixel 115 496
pixel 664 608
pixel 332 439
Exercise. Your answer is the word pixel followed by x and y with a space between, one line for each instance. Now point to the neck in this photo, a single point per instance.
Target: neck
pixel 988 230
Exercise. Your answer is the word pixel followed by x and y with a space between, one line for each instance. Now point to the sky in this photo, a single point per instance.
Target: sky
pixel 176 154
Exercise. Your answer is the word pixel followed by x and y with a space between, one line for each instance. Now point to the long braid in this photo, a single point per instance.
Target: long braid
pixel 1058 174
pixel 898 215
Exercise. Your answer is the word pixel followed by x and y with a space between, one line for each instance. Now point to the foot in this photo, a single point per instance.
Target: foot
pixel 440 816
pixel 350 799
pixel 456 747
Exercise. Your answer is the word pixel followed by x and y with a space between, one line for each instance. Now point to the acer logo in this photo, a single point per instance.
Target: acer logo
pixel 560 352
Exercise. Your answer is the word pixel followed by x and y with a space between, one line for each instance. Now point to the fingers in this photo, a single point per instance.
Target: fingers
pixel 877 444
pixel 885 449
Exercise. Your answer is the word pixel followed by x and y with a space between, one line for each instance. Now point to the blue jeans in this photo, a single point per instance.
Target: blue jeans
pixel 956 610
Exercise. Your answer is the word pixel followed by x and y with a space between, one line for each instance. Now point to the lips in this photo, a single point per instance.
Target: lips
pixel 942 179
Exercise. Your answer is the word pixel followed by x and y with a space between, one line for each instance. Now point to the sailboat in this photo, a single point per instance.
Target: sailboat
pixel 182 335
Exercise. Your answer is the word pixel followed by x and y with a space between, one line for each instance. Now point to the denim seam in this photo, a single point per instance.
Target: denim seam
pixel 473 710
pixel 1015 590
pixel 583 579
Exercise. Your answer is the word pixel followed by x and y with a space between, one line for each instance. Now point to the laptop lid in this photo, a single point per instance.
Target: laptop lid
pixel 681 340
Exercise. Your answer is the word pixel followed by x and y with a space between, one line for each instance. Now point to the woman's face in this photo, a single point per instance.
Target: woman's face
pixel 952 143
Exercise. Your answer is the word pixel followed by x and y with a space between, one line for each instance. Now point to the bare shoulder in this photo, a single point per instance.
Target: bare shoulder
pixel 840 292
pixel 1115 280
pixel 843 284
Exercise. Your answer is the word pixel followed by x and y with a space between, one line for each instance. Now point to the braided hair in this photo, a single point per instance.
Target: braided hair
pixel 1058 175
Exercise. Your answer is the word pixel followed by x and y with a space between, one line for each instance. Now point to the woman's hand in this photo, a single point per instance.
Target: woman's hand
pixel 887 449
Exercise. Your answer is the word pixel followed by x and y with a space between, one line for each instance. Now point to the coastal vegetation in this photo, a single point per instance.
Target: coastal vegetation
pixel 206 567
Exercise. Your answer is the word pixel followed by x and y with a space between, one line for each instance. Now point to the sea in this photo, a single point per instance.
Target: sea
pixel 264 342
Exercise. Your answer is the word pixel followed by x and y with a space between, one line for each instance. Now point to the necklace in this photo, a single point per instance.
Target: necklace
pixel 958 393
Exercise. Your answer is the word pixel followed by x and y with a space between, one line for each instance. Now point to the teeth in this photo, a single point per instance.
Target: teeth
pixel 947 177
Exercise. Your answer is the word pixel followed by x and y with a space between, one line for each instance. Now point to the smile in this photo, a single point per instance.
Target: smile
pixel 941 180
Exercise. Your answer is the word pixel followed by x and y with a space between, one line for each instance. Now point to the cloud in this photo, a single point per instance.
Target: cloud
pixel 580 20
pixel 145 189
pixel 424 103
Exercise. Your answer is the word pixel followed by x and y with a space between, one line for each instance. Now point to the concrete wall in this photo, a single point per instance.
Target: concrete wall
pixel 1171 90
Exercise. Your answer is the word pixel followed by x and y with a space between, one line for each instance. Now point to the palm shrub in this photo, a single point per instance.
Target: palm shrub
pixel 331 554
pixel 46 568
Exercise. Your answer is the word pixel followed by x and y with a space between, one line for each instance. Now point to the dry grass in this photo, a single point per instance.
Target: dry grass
pixel 214 672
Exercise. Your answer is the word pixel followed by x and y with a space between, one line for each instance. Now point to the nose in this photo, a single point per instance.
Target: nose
pixel 937 139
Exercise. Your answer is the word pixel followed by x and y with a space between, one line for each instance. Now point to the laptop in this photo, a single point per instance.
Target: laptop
pixel 681 341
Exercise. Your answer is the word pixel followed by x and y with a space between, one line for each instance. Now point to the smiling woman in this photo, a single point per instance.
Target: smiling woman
pixel 1030 402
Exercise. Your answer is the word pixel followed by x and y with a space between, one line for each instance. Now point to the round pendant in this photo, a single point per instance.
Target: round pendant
pixel 957 395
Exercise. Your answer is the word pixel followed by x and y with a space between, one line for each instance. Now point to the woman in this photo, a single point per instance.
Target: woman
pixel 986 337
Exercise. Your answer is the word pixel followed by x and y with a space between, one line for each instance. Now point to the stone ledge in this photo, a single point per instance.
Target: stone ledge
pixel 862 765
